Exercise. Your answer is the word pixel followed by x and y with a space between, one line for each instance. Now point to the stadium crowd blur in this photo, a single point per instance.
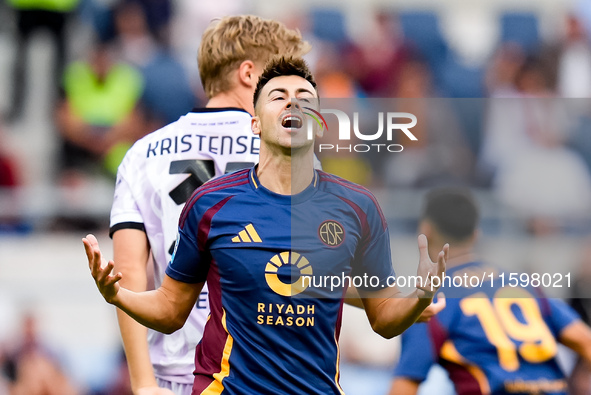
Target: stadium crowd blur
pixel 503 105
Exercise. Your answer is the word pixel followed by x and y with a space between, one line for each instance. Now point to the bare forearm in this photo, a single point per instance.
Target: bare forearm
pixel 577 337
pixel 134 337
pixel 398 313
pixel 352 298
pixel 131 252
pixel 404 386
pixel 165 309
pixel 151 309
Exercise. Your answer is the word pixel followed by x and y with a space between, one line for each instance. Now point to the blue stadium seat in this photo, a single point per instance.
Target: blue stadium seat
pixel 459 80
pixel 167 93
pixel 328 24
pixel 520 28
pixel 421 30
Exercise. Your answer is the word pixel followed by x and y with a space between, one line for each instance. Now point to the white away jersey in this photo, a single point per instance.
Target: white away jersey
pixel 158 174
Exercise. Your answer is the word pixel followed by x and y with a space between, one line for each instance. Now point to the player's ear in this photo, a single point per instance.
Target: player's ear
pixel 247 73
pixel 255 125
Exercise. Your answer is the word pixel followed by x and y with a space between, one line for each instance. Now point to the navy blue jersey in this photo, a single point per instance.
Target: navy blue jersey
pixel 490 339
pixel 274 324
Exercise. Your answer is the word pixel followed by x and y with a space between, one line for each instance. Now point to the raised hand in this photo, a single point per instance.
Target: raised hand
pixel 428 269
pixel 101 270
pixel 433 308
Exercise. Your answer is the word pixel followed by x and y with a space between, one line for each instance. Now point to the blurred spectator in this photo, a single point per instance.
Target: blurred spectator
pixel 441 153
pixel 336 84
pixel 31 367
pixel 333 83
pixel 190 18
pixel 100 15
pixel 375 62
pixel 120 385
pixel 583 11
pixel 134 42
pixel 513 123
pixel 9 199
pixel 99 117
pixel 331 76
pixel 500 77
pixel 580 139
pixel 167 92
pixel 581 290
pixel 574 72
pixel 158 15
pixel 8 170
pixel 580 380
pixel 524 150
pixel 3 374
pixel 31 16
pixel 3 384
pixel 547 186
pixel 533 78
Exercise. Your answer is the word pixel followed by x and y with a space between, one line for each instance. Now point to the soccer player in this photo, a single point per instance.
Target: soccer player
pixel 489 339
pixel 261 237
pixel 161 171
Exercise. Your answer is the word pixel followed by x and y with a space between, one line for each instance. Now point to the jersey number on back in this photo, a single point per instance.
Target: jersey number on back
pixel 199 171
pixel 503 329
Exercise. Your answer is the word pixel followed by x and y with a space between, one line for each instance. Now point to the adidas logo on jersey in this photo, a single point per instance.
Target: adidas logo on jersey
pixel 247 235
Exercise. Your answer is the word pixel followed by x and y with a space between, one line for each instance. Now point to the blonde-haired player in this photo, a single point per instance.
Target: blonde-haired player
pixel 161 171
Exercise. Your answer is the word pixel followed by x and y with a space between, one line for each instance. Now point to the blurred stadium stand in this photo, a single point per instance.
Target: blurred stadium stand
pixel 328 24
pixel 42 263
pixel 520 28
pixel 421 30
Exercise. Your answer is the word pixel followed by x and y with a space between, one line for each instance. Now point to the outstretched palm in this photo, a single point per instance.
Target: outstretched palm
pixel 428 269
pixel 101 270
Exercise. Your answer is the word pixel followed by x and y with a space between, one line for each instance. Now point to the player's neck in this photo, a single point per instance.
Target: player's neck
pixel 460 256
pixel 285 175
pixel 234 98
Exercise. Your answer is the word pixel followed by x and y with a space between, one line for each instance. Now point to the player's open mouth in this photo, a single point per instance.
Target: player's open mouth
pixel 292 121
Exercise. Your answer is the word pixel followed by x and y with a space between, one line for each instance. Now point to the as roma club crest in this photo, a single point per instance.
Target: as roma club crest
pixel 331 233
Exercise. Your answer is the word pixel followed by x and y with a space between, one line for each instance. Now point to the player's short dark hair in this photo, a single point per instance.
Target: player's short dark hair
pixel 453 211
pixel 283 65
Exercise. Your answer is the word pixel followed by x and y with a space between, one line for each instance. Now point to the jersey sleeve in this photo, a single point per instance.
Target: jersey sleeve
pixel 416 355
pixel 189 262
pixel 560 316
pixel 373 257
pixel 125 213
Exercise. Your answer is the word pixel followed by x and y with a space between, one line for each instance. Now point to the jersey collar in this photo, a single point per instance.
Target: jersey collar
pixel 218 109
pixel 283 199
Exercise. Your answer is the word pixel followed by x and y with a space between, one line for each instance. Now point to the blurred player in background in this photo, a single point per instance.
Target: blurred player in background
pixel 489 339
pixel 161 171
pixel 237 232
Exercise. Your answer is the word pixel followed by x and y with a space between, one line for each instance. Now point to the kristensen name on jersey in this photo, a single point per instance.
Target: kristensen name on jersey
pixel 215 145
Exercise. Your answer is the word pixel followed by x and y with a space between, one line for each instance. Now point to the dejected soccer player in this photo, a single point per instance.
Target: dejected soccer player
pixel 256 237
pixel 161 171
